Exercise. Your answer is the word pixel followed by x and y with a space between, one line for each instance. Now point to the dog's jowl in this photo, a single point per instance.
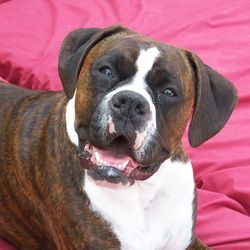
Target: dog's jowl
pixel 101 165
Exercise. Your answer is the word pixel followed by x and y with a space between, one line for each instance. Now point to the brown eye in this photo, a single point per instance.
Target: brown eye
pixel 169 92
pixel 106 71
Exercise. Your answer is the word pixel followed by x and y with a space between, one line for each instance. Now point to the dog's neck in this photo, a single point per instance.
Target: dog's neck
pixel 145 215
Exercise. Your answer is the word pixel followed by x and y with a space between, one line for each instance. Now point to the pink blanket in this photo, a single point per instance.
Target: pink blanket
pixel 219 31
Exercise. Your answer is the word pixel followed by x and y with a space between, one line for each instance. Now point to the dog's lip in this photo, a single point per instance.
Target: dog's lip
pixel 140 175
pixel 144 172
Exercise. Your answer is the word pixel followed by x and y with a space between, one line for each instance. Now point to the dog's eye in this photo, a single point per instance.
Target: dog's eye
pixel 106 71
pixel 169 92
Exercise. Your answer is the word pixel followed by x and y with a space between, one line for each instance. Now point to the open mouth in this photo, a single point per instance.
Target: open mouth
pixel 115 163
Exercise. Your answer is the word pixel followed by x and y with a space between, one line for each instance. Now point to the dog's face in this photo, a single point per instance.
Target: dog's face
pixel 131 99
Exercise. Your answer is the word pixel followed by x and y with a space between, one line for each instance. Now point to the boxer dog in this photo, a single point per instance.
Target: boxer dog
pixel 101 165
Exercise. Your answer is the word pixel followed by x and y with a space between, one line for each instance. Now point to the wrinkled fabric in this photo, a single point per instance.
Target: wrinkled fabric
pixel 218 31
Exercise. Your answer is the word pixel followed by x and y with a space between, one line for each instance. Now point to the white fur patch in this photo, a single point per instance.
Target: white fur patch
pixel 145 63
pixel 149 215
pixel 111 125
pixel 139 139
pixel 70 121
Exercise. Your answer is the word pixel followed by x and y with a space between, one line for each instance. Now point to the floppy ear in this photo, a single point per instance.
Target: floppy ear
pixel 74 50
pixel 215 99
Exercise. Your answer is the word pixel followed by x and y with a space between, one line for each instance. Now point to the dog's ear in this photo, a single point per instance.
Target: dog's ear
pixel 74 50
pixel 215 99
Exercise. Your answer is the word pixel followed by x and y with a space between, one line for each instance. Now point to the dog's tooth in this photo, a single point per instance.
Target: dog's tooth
pixel 101 161
pixel 97 156
pixel 124 164
pixel 88 148
pixel 120 166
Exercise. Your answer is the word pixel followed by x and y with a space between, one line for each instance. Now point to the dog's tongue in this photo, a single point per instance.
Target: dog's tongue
pixel 113 157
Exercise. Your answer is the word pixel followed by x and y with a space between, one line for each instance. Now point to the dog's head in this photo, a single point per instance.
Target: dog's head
pixel 130 99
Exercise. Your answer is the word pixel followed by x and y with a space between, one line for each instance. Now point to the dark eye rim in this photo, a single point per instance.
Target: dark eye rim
pixel 105 67
pixel 172 92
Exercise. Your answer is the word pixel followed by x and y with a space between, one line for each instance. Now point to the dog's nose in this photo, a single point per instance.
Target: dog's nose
pixel 130 104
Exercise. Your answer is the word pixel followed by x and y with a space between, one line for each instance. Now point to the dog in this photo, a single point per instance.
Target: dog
pixel 101 164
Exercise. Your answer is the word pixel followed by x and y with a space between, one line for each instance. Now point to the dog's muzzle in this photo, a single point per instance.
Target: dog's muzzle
pixel 111 154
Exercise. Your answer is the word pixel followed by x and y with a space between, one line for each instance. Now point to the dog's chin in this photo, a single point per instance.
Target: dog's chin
pixel 114 164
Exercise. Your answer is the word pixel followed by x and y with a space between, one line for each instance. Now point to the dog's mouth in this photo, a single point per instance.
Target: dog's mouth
pixel 115 163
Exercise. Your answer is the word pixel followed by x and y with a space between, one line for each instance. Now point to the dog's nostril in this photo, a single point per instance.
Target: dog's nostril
pixel 118 103
pixel 139 109
pixel 122 101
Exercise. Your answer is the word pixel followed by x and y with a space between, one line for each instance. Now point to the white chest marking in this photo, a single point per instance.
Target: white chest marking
pixel 150 215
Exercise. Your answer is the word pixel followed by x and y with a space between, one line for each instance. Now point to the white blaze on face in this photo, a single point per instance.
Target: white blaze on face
pixel 144 64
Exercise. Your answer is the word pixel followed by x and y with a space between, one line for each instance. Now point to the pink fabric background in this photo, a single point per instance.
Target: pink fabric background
pixel 219 31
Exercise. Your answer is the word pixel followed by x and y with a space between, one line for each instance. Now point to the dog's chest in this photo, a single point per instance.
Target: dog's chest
pixel 150 215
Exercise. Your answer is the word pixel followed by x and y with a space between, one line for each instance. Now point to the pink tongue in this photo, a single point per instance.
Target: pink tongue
pixel 109 157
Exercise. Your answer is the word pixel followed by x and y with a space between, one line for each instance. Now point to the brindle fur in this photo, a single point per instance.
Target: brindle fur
pixel 41 200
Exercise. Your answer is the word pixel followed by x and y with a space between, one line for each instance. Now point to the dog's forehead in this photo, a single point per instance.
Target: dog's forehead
pixel 130 46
